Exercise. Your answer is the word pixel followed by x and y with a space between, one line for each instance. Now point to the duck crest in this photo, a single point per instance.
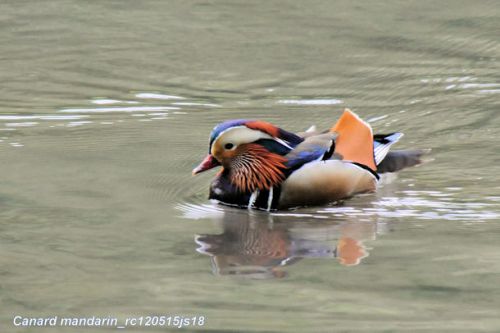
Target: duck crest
pixel 256 168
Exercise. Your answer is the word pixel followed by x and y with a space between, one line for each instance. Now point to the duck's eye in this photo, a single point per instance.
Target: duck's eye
pixel 228 146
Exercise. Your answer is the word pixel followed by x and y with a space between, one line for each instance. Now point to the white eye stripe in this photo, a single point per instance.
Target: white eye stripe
pixel 239 135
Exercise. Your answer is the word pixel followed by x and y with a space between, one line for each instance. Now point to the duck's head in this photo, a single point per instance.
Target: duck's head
pixel 250 151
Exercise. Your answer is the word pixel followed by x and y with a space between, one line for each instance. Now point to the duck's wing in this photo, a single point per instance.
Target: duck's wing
pixel 350 139
pixel 392 161
pixel 355 140
pixel 382 144
pixel 331 166
pixel 312 130
pixel 313 148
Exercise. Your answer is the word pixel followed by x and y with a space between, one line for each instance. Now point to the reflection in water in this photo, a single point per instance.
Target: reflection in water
pixel 258 245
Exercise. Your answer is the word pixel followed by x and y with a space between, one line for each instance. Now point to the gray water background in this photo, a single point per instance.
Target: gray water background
pixel 106 106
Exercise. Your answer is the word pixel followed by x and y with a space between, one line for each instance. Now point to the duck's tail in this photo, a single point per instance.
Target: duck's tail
pixel 400 159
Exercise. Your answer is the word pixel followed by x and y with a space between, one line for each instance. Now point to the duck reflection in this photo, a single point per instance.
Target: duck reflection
pixel 259 245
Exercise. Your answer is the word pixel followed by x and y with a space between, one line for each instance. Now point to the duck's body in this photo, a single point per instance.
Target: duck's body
pixel 266 167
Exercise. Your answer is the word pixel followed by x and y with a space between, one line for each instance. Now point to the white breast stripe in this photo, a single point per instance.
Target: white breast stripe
pixel 253 198
pixel 270 199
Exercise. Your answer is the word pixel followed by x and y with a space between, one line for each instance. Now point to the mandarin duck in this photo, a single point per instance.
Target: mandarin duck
pixel 266 167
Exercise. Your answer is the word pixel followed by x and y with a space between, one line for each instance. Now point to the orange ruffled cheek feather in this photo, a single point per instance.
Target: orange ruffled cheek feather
pixel 254 167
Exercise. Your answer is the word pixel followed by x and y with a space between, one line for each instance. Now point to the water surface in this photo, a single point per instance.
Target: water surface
pixel 105 108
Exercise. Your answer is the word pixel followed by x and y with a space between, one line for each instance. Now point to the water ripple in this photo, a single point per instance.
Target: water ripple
pixel 121 109
pixel 310 101
pixel 465 83
pixel 423 205
pixel 157 96
pixel 23 124
pixel 105 111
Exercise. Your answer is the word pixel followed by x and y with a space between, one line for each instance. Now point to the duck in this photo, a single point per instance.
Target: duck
pixel 265 167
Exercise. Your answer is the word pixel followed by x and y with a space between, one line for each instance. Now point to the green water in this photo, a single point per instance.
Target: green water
pixel 106 106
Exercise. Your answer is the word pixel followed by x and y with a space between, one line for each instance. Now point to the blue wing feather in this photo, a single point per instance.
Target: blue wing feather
pixel 306 156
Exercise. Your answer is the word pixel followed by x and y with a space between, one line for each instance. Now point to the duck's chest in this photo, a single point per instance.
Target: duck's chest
pixel 227 193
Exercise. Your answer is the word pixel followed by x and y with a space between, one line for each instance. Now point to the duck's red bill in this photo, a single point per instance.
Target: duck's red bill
pixel 208 163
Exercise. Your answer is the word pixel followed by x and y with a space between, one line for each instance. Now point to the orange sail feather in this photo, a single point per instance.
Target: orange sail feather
pixel 355 139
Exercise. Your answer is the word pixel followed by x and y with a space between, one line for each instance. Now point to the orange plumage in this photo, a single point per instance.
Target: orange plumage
pixel 264 127
pixel 355 140
pixel 257 168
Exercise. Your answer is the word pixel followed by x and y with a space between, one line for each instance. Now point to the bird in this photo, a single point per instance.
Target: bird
pixel 268 168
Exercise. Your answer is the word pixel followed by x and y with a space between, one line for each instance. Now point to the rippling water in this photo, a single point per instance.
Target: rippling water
pixel 107 106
